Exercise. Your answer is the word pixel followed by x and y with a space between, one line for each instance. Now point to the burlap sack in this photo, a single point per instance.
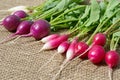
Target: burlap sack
pixel 21 59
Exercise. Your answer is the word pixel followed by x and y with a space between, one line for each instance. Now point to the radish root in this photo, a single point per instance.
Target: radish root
pixel 9 38
pixel 65 63
pixel 110 74
pixel 47 62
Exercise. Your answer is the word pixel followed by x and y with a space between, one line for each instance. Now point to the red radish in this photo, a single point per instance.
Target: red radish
pixel 62 48
pixel 39 29
pixel 23 28
pixel 20 13
pixel 112 59
pixel 80 48
pixel 96 54
pixel 50 37
pixel 55 42
pixel 99 39
pixel 11 22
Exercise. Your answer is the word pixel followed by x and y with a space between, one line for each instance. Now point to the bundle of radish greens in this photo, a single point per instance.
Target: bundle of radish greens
pixel 93 29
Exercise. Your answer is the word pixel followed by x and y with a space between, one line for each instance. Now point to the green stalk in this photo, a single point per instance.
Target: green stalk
pixel 100 26
pixel 112 43
pixel 115 46
pixel 78 7
pixel 64 21
pixel 112 26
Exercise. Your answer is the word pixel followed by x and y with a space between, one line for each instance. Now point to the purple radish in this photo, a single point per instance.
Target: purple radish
pixel 80 48
pixel 55 42
pixel 11 22
pixel 20 14
pixel 112 58
pixel 62 48
pixel 23 28
pixel 49 37
pixel 96 54
pixel 69 56
pixel 39 29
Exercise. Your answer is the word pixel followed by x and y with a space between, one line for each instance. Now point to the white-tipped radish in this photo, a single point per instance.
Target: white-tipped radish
pixel 54 43
pixel 69 56
pixel 62 48
pixel 50 37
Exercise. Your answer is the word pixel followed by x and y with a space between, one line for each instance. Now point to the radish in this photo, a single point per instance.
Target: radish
pixel 80 48
pixel 99 39
pixel 112 59
pixel 54 43
pixel 50 37
pixel 39 29
pixel 62 48
pixel 20 13
pixel 11 22
pixel 23 28
pixel 70 54
pixel 96 54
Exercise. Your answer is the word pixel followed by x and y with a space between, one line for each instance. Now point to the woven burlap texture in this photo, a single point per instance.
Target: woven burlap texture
pixel 21 59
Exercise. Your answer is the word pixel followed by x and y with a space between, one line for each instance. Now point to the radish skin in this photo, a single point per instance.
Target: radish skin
pixel 63 47
pixel 99 39
pixel 96 54
pixel 54 43
pixel 80 48
pixel 39 29
pixel 112 59
pixel 50 37
pixel 70 54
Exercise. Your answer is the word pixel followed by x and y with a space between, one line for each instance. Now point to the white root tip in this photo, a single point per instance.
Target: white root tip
pixel 46 62
pixel 69 54
pixel 43 40
pixel 60 50
pixel 47 46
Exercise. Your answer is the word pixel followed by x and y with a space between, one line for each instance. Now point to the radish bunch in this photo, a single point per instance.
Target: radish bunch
pixel 95 52
pixel 24 28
